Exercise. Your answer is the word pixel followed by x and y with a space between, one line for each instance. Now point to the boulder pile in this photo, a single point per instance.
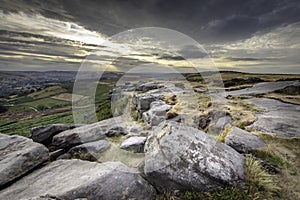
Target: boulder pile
pixel 175 156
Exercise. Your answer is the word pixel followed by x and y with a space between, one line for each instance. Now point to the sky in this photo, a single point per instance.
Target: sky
pixel 260 36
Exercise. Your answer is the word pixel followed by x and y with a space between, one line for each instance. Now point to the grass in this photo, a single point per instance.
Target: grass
pixel 271 157
pixel 285 154
pixel 221 137
pixel 23 127
pixel 260 185
pixel 48 103
pixel 20 118
pixel 47 92
pixel 293 99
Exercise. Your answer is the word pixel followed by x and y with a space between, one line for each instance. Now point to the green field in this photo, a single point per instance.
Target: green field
pixel 39 108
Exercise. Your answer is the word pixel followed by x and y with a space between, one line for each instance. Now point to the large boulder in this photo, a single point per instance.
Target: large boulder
pixel 135 144
pixel 157 113
pixel 179 157
pixel 89 133
pixel 243 141
pixel 77 179
pixel 44 134
pixel 18 155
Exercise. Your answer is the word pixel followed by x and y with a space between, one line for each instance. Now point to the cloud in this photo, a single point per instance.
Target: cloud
pixel 237 34
pixel 273 50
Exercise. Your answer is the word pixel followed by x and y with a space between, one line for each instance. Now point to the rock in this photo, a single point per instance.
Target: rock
pixel 157 113
pixel 290 90
pixel 149 86
pixel 265 87
pixel 222 122
pixel 142 101
pixel 220 125
pixel 267 166
pixel 116 131
pixel 18 155
pixel 179 157
pixel 44 134
pixel 136 129
pixel 281 119
pixel 216 117
pixel 243 141
pixel 135 144
pixel 89 151
pixel 64 156
pixel 55 154
pixel 77 179
pixel 88 133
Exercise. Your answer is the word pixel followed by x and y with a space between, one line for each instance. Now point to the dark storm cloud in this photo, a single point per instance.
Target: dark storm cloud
pixel 249 59
pixel 207 21
pixel 53 32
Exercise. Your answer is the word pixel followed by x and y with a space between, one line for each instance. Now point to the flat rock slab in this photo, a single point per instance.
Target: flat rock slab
pixel 281 119
pixel 264 87
pixel 89 133
pixel 179 157
pixel 19 155
pixel 44 134
pixel 76 179
pixel 135 144
pixel 243 141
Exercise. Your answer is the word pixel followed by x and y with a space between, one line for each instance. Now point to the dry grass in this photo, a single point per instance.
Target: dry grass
pixel 293 99
pixel 242 112
pixel 289 162
pixel 221 137
pixel 170 99
pixel 261 185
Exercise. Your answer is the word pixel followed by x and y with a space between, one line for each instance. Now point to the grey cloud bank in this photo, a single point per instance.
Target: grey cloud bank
pixel 252 36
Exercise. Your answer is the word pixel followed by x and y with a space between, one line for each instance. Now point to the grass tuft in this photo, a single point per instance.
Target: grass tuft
pixel 260 183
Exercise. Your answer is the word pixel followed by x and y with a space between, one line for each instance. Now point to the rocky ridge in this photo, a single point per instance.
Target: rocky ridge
pixel 177 156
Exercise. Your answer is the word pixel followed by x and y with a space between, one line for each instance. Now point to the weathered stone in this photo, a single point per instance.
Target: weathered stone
pixel 142 101
pixel 76 179
pixel 214 117
pixel 243 141
pixel 89 151
pixel 44 134
pixel 55 154
pixel 179 157
pixel 18 155
pixel 64 156
pixel 148 86
pixel 136 129
pixel 264 87
pixel 220 125
pixel 135 144
pixel 89 133
pixel 281 119
pixel 157 113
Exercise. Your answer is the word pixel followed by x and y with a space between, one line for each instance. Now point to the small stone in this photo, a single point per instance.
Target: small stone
pixel 135 144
